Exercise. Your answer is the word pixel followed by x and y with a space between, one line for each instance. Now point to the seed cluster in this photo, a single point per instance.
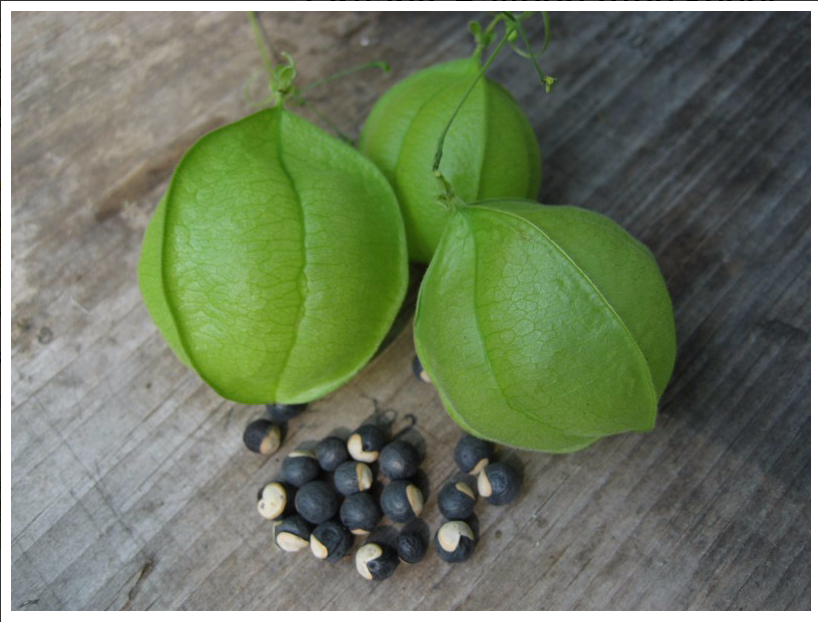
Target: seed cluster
pixel 497 482
pixel 326 497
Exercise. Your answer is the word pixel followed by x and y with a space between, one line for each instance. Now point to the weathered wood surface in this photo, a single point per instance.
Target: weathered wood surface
pixel 130 487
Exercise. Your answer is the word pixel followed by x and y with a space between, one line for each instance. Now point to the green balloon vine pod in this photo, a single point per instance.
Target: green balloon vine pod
pixel 276 261
pixel 544 327
pixel 491 149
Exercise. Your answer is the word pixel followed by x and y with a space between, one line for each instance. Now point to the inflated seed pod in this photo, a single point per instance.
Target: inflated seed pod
pixel 412 542
pixel 262 436
pixel 300 467
pixel 401 501
pixel 274 499
pixel 316 502
pixel 456 500
pixel 331 452
pixel 330 541
pixel 490 149
pixel 275 263
pixel 499 483
pixel 399 460
pixel 352 477
pixel 366 442
pixel 454 541
pixel 284 412
pixel 292 533
pixel 472 454
pixel 562 319
pixel 360 513
pixel 376 561
pixel 418 370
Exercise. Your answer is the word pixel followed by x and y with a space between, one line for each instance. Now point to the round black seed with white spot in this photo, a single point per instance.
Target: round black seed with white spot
pixel 365 443
pixel 454 541
pixel 375 561
pixel 300 467
pixel 398 460
pixel 352 477
pixel 262 436
pixel 331 452
pixel 292 534
pixel 316 502
pixel 360 513
pixel 330 541
pixel 473 454
pixel 499 483
pixel 274 499
pixel 456 500
pixel 284 412
pixel 402 501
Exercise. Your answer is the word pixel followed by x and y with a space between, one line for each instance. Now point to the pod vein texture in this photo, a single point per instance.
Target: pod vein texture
pixel 552 346
pixel 276 262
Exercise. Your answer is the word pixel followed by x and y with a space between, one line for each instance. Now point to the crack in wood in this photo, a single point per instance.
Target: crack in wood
pixel 140 577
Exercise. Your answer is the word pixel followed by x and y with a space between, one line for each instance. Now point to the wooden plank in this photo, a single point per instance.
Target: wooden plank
pixel 130 486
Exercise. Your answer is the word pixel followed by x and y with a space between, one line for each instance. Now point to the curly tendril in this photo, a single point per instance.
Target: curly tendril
pixel 281 78
pixel 512 26
pixel 516 23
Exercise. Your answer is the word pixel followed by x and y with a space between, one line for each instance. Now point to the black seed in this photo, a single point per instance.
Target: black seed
pixel 399 460
pixel 300 467
pixel 359 513
pixel 284 412
pixel 316 502
pixel 454 542
pixel 292 534
pixel 366 442
pixel 456 500
pixel 499 483
pixel 352 477
pixel 472 454
pixel 331 452
pixel 262 436
pixel 410 548
pixel 275 499
pixel 401 501
pixel 376 561
pixel 330 541
pixel 413 541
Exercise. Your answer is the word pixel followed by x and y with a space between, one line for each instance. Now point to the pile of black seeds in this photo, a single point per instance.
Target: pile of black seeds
pixel 331 491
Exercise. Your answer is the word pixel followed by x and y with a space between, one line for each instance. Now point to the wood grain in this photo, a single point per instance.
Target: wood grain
pixel 130 486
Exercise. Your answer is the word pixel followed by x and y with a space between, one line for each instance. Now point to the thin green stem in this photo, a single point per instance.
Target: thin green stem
pixel 261 44
pixel 480 74
pixel 493 23
pixel 546 80
pixel 246 89
pixel 546 35
pixel 300 101
pixel 485 36
pixel 379 64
